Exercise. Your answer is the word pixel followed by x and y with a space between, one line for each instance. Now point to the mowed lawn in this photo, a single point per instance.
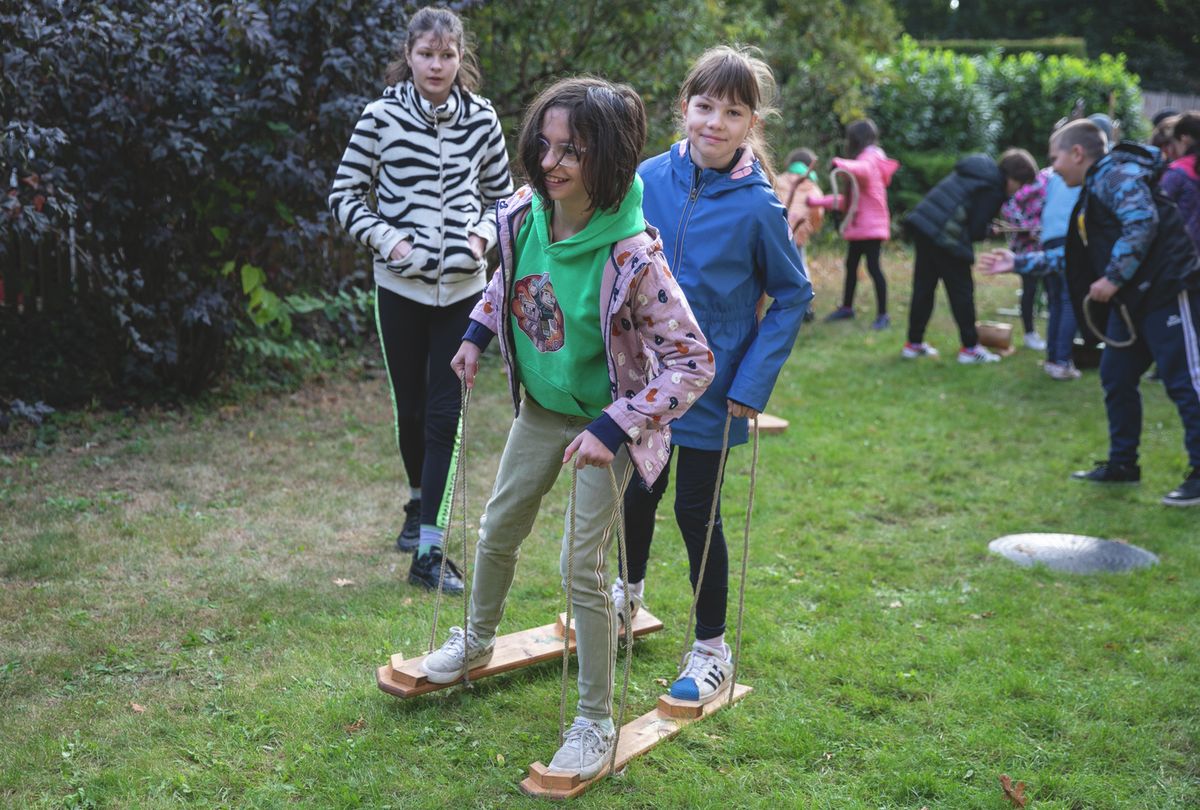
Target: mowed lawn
pixel 193 604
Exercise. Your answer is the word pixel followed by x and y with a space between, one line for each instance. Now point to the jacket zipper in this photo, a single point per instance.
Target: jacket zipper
pixel 684 218
pixel 437 128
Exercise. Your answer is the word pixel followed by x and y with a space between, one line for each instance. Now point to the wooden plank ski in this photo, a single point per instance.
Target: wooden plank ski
pixel 637 737
pixel 403 677
pixel 770 424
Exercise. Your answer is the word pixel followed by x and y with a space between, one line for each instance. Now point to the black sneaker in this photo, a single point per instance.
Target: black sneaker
pixel 424 572
pixel 410 536
pixel 1107 472
pixel 1187 493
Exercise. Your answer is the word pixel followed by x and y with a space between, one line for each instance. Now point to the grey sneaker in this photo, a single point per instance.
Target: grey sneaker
pixel 618 594
pixel 586 749
pixel 444 665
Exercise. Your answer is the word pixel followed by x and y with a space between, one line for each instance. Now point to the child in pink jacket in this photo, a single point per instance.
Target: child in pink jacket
pixel 868 222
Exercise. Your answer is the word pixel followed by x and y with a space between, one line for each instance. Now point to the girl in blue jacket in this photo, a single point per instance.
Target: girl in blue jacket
pixel 727 241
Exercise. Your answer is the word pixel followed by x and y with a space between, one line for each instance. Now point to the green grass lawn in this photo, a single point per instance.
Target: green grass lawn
pixel 176 625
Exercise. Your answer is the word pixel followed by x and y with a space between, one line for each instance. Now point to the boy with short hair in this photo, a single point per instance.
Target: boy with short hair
pixel 955 213
pixel 1127 245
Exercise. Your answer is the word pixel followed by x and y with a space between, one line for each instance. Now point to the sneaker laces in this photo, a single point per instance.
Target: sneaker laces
pixel 586 734
pixel 700 661
pixel 458 642
pixel 435 561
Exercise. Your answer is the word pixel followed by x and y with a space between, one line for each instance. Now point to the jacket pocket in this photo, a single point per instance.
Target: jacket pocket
pixel 410 265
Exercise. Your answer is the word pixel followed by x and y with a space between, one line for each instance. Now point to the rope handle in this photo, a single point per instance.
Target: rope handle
pixel 737 644
pixel 852 206
pixel 459 486
pixel 1124 310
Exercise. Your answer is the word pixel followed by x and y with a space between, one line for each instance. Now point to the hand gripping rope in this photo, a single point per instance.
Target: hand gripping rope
pixel 1124 310
pixel 460 486
pixel 712 519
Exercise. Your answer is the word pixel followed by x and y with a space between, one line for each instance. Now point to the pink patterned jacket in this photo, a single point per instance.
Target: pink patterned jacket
pixel 658 360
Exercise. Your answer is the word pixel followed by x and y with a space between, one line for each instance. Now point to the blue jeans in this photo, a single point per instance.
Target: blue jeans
pixel 1060 327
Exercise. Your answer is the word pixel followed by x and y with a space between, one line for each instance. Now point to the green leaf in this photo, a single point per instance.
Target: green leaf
pixel 220 234
pixel 252 278
pixel 285 213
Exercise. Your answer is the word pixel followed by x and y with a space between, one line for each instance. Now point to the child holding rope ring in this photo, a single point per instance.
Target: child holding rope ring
pixel 728 241
pixel 869 224
pixel 598 392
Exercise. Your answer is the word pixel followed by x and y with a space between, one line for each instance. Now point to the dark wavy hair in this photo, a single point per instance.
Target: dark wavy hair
pixel 607 122
pixel 446 26
pixel 1019 165
pixel 1188 123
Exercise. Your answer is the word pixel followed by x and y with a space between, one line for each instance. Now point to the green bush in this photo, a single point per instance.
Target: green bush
pixel 934 100
pixel 934 106
pixel 1034 92
pixel 1050 46
pixel 919 172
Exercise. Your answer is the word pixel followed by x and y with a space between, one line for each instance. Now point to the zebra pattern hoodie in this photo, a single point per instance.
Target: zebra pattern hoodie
pixel 434 171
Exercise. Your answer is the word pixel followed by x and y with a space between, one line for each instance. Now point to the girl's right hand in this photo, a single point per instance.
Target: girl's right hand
pixel 466 362
pixel 400 251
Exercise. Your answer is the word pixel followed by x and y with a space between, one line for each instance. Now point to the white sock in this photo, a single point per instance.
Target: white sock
pixel 414 493
pixel 635 588
pixel 716 643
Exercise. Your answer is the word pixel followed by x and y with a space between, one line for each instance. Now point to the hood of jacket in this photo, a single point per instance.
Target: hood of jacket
pixel 979 167
pixel 1187 165
pixel 887 166
pixel 456 106
pixel 604 228
pixel 746 172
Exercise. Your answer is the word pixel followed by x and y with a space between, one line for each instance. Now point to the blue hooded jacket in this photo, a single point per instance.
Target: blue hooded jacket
pixel 726 239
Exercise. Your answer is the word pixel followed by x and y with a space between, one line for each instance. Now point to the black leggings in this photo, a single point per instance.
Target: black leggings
pixel 419 342
pixel 933 264
pixel 696 476
pixel 1029 287
pixel 854 251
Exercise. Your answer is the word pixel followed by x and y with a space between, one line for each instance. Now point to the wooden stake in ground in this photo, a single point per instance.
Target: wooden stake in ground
pixel 403 677
pixel 637 737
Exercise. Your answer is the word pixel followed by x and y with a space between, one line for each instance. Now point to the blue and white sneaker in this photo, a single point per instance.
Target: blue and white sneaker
pixel 705 673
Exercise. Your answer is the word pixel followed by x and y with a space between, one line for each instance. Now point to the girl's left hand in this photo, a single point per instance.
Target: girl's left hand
pixel 588 451
pixel 478 246
pixel 739 411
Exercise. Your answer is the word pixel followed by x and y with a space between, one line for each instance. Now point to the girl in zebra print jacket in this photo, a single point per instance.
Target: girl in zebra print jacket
pixel 415 185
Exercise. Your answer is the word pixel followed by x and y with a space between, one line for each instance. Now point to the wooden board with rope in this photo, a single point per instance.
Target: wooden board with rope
pixel 403 678
pixel 637 737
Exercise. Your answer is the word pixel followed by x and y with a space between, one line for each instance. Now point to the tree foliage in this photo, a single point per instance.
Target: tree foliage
pixel 1160 39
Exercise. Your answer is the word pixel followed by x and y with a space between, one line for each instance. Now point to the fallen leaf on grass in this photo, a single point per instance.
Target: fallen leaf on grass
pixel 356 726
pixel 342 583
pixel 137 708
pixel 407 601
pixel 1013 793
pixel 660 681
pixel 499 759
pixel 895 604
pixel 987 614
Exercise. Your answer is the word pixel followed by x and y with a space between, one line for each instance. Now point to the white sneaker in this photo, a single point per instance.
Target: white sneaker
pixel 586 749
pixel 705 672
pixel 1062 371
pixel 619 593
pixel 1035 341
pixel 977 354
pixel 912 350
pixel 444 665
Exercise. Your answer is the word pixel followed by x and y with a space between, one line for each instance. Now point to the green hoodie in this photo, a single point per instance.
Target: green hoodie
pixel 556 306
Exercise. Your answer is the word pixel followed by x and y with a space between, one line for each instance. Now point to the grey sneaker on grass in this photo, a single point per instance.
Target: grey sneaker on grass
pixel 586 749
pixel 444 665
pixel 619 593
